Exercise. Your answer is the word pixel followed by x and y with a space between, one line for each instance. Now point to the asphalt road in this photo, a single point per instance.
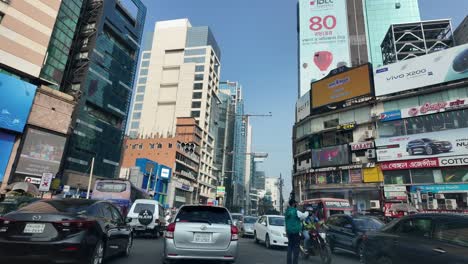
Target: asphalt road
pixel 149 251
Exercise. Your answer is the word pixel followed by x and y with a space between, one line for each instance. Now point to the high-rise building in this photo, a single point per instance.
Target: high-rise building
pixel 272 190
pixel 461 32
pixel 236 190
pixel 380 14
pixel 101 74
pixel 179 77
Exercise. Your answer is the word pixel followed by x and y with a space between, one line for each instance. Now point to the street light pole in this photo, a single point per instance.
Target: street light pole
pixel 280 185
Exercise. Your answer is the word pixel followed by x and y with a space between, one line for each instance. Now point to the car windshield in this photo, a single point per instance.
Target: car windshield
pixel 203 214
pixel 276 221
pixel 367 223
pixel 143 206
pixel 250 220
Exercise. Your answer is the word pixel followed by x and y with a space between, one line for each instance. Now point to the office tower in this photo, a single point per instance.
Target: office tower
pixel 101 75
pixel 380 14
pixel 179 77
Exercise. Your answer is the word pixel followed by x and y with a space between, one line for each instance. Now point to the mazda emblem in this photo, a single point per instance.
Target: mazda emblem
pixel 203 227
pixel 36 217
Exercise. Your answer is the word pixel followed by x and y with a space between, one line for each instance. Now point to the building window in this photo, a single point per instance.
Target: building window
pixel 146 55
pixel 397 5
pixel 195 60
pixel 197 95
pixel 142 80
pixel 145 63
pixel 134 146
pixel 136 116
pixel 140 146
pixel 195 114
pixel 138 107
pixel 143 72
pixel 397 177
pixel 196 104
pixel 85 42
pixel 159 145
pixel 331 123
pixel 76 86
pixel 81 56
pixel 89 28
pixel 199 68
pixel 198 86
pixel 170 145
pixel 135 125
pixel 198 77
pixel 151 145
pixel 139 98
pixel 191 52
pixel 140 89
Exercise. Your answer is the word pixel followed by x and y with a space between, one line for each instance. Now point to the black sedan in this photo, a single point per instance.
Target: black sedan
pixel 346 232
pixel 420 238
pixel 64 231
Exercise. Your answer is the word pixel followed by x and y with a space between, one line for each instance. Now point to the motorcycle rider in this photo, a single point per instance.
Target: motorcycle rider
pixel 309 224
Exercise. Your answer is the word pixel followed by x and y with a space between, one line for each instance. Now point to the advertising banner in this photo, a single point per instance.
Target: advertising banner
pixel 303 107
pixel 438 67
pixel 330 156
pixel 355 176
pixel 395 193
pixel 390 115
pixel 410 164
pixel 220 191
pixel 164 172
pixel 323 39
pixel 42 152
pixel 6 145
pixel 342 86
pixel 432 108
pixel 372 174
pixel 361 145
pixel 442 188
pixel 446 143
pixel 15 102
pixel 453 161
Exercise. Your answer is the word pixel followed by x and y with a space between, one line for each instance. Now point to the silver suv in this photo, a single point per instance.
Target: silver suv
pixel 203 233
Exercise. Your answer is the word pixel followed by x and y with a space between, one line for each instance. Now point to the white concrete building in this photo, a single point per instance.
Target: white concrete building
pixel 271 187
pixel 179 77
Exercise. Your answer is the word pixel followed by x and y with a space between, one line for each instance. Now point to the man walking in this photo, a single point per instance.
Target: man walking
pixel 293 219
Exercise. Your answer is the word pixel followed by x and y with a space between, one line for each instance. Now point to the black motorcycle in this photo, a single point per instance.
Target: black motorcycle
pixel 318 247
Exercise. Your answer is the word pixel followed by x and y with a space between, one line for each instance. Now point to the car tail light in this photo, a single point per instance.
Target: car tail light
pixel 4 222
pixel 234 233
pixel 364 237
pixel 74 225
pixel 170 231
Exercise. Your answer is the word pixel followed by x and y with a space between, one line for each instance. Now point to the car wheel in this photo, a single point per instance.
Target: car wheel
pixel 429 151
pixel 267 241
pixel 360 253
pixel 385 260
pixel 255 238
pixel 98 254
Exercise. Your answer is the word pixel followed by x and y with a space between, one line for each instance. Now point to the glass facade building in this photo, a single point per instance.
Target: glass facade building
pixel 102 74
pixel 380 14
pixel 61 42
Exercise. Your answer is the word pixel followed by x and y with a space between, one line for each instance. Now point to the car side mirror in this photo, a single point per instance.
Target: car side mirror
pixel 128 220
pixel 264 223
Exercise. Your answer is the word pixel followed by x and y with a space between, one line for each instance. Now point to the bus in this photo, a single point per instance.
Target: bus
pixel 326 207
pixel 121 192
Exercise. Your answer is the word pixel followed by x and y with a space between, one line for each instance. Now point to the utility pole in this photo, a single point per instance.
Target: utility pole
pixel 280 185
pixel 90 179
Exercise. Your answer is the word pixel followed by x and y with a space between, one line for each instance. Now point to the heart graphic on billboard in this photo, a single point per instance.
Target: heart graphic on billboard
pixel 323 59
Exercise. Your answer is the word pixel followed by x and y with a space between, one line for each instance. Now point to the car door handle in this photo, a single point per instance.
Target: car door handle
pixel 438 250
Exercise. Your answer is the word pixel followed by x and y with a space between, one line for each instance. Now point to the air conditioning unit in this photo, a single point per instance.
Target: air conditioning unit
pixel 370 154
pixel 369 134
pixel 433 205
pixel 439 196
pixel 374 204
pixel 424 196
pixel 450 204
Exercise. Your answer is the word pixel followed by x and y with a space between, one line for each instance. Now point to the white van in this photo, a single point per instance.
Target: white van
pixel 147 217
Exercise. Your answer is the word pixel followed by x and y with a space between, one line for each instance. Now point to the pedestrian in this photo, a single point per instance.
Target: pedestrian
pixel 293 219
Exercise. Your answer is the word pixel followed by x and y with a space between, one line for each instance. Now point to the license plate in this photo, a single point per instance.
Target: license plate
pixel 202 237
pixel 34 228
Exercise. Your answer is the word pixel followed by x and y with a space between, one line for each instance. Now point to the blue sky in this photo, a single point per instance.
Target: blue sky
pixel 258 42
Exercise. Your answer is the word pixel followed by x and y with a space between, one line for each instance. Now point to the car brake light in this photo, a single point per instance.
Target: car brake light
pixel 74 225
pixel 364 237
pixel 234 233
pixel 170 231
pixel 4 224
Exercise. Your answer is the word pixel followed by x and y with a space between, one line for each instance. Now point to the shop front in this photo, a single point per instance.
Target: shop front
pixel 182 192
pixel 441 197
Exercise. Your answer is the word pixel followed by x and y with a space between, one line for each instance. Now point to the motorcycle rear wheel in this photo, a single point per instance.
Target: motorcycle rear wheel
pixel 325 254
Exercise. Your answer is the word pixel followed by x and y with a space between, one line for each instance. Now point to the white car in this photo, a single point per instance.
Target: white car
pixel 147 216
pixel 271 230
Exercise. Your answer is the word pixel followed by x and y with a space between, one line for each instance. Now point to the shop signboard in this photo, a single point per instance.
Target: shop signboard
pixel 438 67
pixel 446 143
pixel 164 172
pixel 453 161
pixel 323 39
pixel 372 174
pixel 390 115
pixel 15 102
pixel 349 84
pixel 182 186
pixel 355 176
pixel 42 152
pixel 410 164
pixel 330 156
pixel 303 107
pixel 346 126
pixel 33 180
pixel 46 182
pixel 440 188
pixel 361 145
pixel 220 191
pixel 395 192
pixel 7 141
pixel 432 108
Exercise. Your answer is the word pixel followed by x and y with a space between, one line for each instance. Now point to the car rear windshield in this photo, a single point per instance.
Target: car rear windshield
pixel 250 220
pixel 276 221
pixel 236 217
pixel 367 223
pixel 142 206
pixel 6 208
pixel 74 206
pixel 201 214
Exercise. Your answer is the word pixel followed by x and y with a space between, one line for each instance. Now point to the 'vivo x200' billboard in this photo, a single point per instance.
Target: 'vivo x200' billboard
pixel 323 39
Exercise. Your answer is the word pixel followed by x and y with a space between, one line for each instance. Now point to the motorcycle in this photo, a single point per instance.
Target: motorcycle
pixel 318 247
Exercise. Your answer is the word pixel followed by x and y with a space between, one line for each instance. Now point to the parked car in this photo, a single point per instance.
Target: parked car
pixel 428 238
pixel 248 226
pixel 348 232
pixel 201 232
pixel 427 146
pixel 147 216
pixel 14 203
pixel 64 231
pixel 237 219
pixel 271 230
